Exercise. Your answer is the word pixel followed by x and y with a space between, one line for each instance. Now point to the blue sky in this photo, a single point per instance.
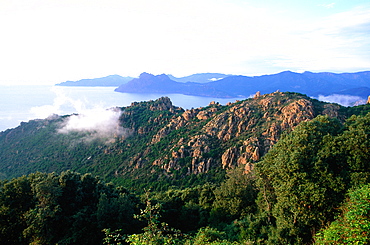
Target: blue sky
pixel 51 41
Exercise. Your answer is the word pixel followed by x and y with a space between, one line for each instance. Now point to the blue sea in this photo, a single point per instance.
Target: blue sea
pixel 23 103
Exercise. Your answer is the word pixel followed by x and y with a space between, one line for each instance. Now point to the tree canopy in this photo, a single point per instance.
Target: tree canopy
pixel 304 178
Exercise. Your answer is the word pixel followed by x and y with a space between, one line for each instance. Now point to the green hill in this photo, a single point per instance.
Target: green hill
pixel 160 145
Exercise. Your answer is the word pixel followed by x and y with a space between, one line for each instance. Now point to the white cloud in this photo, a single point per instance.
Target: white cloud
pixel 98 123
pixel 93 119
pixel 337 43
pixel 345 100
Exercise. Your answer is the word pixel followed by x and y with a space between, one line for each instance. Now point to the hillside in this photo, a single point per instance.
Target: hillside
pixel 155 140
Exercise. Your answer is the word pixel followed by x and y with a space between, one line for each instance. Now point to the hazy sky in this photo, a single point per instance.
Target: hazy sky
pixel 51 41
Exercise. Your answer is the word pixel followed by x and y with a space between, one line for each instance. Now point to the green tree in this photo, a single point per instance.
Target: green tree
pixel 155 233
pixel 69 208
pixel 208 235
pixel 355 144
pixel 235 197
pixel 299 189
pixel 116 210
pixel 16 198
pixel 42 220
pixel 187 209
pixel 353 225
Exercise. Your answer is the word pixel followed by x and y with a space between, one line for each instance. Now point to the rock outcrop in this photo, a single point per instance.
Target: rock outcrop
pixel 237 134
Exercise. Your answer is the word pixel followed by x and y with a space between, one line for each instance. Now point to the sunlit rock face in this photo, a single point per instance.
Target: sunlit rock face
pixel 242 131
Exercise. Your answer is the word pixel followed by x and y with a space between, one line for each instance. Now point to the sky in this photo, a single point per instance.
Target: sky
pixel 52 41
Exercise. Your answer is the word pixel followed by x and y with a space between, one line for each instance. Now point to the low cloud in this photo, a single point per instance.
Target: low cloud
pixel 96 123
pixel 345 100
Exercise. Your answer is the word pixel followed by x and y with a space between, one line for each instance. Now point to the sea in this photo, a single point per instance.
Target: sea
pixel 23 103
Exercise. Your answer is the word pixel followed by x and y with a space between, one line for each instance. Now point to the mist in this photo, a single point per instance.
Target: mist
pixel 98 123
pixel 95 121
pixel 344 100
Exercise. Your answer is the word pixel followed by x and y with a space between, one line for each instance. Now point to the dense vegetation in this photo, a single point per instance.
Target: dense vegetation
pixel 311 187
pixel 305 177
pixel 62 209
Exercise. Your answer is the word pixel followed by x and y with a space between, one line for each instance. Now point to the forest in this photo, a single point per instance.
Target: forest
pixel 310 187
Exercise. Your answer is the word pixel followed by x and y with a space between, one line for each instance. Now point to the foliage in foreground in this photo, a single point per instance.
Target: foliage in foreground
pixel 353 225
pixel 304 179
pixel 62 209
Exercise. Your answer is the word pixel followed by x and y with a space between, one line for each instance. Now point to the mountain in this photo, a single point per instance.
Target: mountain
pixel 232 86
pixel 117 80
pixel 312 84
pixel 162 84
pixel 108 81
pixel 155 144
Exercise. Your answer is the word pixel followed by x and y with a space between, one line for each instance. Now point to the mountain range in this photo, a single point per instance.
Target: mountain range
pixel 312 84
pixel 232 86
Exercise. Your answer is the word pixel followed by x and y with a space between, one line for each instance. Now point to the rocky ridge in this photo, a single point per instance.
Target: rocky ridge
pixel 238 133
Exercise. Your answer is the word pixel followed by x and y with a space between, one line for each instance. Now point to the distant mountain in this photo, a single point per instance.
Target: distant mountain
pixel 199 78
pixel 117 80
pixel 108 81
pixel 312 84
pixel 148 83
pixel 231 86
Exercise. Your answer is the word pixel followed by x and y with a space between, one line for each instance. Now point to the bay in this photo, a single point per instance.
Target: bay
pixel 23 103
